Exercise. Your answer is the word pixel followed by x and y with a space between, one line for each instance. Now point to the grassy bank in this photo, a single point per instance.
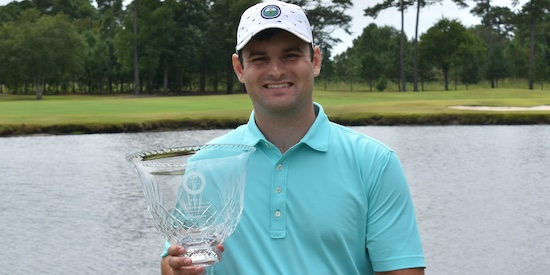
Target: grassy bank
pixel 73 114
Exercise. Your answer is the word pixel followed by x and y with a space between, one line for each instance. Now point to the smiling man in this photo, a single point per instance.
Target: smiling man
pixel 320 198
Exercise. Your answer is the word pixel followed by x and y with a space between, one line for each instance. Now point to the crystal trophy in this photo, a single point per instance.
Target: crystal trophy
pixel 195 195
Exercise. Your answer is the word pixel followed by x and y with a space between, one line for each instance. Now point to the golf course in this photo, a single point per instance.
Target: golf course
pixel 83 114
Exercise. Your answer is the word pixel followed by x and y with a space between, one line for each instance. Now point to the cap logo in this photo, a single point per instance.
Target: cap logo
pixel 271 11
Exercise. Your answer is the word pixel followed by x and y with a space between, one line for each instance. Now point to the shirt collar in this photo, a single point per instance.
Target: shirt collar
pixel 317 137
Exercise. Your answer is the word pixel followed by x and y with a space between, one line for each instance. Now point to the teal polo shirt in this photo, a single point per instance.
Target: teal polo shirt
pixel 337 202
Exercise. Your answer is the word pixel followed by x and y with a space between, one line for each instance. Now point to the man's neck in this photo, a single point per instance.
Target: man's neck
pixel 286 131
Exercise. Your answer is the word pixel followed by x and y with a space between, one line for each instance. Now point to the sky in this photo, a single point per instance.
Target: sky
pixel 392 17
pixel 428 17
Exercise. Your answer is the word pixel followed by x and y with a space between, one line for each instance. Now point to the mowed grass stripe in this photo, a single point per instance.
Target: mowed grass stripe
pixel 104 109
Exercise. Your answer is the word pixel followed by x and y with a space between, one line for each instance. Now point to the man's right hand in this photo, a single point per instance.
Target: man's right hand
pixel 174 264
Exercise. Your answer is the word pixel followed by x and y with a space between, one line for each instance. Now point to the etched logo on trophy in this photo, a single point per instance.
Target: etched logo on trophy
pixel 193 183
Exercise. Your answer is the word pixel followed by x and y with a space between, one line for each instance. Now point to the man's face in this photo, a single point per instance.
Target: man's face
pixel 278 73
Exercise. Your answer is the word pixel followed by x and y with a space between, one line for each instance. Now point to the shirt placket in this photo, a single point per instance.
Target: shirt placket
pixel 278 200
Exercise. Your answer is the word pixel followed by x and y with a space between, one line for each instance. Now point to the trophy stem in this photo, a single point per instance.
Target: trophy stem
pixel 209 270
pixel 205 256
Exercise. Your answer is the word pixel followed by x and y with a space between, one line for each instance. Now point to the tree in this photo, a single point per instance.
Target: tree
pixel 110 16
pixel 374 53
pixel 73 9
pixel 419 5
pixel 470 59
pixel 402 6
pixel 371 68
pixel 495 66
pixel 135 48
pixel 44 46
pixel 378 49
pixel 325 17
pixel 532 14
pixel 444 45
pixel 496 22
pixel 96 61
pixel 518 59
pixel 7 70
pixel 328 69
pixel 382 83
pixel 11 11
pixel 348 67
pixel 219 41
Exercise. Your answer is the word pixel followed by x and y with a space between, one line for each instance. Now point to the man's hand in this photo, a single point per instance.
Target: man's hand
pixel 174 264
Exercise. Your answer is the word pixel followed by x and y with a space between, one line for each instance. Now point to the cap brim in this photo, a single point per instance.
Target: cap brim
pixel 264 27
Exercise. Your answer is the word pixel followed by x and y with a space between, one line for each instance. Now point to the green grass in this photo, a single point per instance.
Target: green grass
pixel 85 114
pixel 344 103
pixel 54 110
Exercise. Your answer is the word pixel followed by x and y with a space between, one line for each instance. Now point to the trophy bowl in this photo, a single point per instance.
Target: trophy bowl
pixel 195 194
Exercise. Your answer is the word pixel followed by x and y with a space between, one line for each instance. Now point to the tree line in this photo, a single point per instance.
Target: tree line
pixel 176 47
pixel 507 44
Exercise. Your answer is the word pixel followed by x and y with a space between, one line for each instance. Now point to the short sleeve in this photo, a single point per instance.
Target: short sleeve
pixel 393 240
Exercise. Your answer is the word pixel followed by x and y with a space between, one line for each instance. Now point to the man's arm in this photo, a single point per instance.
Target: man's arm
pixel 408 271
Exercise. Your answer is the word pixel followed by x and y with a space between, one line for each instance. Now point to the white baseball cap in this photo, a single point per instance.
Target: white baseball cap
pixel 273 14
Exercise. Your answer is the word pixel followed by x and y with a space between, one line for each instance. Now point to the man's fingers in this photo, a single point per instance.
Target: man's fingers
pixel 177 262
pixel 182 265
pixel 176 250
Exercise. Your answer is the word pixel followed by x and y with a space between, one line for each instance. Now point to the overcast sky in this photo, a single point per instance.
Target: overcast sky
pixel 392 17
pixel 429 16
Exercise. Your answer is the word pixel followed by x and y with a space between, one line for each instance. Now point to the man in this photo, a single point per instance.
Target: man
pixel 320 198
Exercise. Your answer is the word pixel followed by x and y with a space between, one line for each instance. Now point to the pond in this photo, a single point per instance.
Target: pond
pixel 73 204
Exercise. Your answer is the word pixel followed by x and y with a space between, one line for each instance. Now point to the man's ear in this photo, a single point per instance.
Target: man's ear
pixel 237 67
pixel 317 60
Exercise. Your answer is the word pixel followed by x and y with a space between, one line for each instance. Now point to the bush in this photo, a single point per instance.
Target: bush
pixel 382 83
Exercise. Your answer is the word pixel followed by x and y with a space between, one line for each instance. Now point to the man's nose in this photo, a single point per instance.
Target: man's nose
pixel 277 68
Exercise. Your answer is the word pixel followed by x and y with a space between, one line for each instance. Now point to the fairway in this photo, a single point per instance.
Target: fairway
pixel 79 109
pixel 24 114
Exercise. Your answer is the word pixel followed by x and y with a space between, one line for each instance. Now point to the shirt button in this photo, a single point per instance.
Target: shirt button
pixel 280 167
pixel 277 213
pixel 266 144
pixel 278 189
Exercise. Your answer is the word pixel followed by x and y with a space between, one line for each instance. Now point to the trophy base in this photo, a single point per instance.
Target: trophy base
pixel 204 255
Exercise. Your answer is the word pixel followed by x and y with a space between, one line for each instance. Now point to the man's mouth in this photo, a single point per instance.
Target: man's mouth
pixel 278 85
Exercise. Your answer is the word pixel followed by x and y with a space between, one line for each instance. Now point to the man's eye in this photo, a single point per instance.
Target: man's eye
pixel 258 59
pixel 292 56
